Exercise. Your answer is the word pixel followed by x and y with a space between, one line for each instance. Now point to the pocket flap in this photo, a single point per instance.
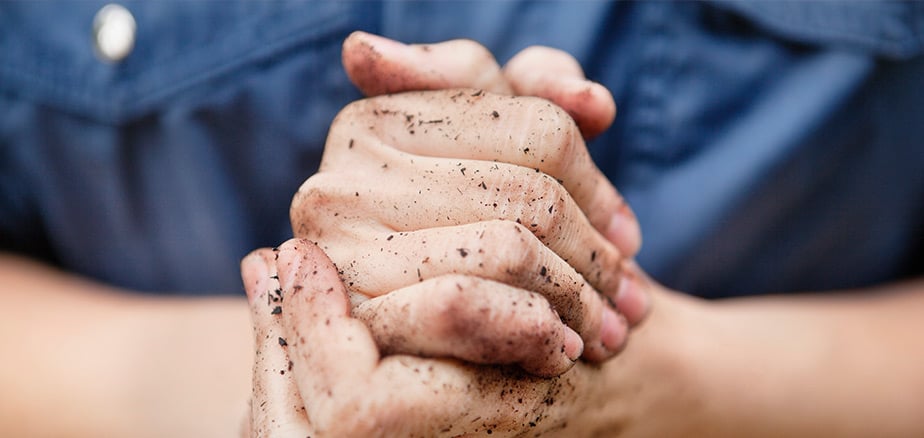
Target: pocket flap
pixel 46 49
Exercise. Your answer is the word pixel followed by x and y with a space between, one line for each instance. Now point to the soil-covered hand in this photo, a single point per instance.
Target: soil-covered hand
pixel 319 373
pixel 420 185
pixel 380 66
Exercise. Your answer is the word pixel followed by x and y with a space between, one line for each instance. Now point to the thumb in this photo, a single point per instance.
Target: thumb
pixel 333 355
pixel 555 75
pixel 276 405
pixel 379 65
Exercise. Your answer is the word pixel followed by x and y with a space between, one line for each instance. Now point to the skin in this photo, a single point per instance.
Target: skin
pixel 380 66
pixel 83 359
pixel 371 395
pixel 506 220
pixel 111 362
pixel 471 312
pixel 827 365
pixel 692 369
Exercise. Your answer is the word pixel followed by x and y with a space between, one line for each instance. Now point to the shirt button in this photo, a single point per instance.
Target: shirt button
pixel 113 33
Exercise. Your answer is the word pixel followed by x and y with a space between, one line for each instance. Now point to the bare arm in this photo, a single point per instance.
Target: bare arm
pixel 84 359
pixel 824 365
pixel 840 365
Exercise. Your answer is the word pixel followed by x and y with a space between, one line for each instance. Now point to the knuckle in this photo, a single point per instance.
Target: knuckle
pixel 454 288
pixel 474 51
pixel 543 325
pixel 544 207
pixel 552 141
pixel 311 194
pixel 515 249
pixel 347 129
pixel 548 58
pixel 544 54
pixel 559 142
pixel 309 203
pixel 478 63
pixel 535 50
pixel 348 116
pixel 456 309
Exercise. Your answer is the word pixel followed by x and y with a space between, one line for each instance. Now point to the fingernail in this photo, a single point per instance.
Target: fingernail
pixel 624 232
pixel 614 330
pixel 574 345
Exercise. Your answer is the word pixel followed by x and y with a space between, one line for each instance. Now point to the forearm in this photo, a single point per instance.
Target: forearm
pixel 80 359
pixel 835 365
pixel 823 365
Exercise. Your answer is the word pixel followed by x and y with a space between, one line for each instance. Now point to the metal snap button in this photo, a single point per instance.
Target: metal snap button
pixel 113 33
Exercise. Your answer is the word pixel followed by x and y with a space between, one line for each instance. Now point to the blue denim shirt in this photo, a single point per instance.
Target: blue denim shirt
pixel 765 146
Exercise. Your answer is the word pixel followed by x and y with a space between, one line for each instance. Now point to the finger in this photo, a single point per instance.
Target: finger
pixel 332 354
pixel 337 363
pixel 351 393
pixel 502 251
pixel 472 319
pixel 633 301
pixel 468 124
pixel 555 75
pixel 379 65
pixel 462 193
pixel 276 406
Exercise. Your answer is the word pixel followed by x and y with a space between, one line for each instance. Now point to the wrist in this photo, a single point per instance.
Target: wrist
pixel 655 386
pixel 200 348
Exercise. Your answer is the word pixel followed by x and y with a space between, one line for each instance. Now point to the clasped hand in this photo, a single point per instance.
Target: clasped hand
pixel 457 230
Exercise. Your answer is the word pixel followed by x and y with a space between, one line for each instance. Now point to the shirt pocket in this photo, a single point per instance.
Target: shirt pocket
pixel 46 50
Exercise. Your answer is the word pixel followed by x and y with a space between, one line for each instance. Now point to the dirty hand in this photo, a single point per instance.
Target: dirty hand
pixel 318 372
pixel 421 185
pixel 507 255
pixel 378 66
pixel 480 309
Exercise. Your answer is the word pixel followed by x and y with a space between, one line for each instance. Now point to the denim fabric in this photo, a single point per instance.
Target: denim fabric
pixel 765 146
